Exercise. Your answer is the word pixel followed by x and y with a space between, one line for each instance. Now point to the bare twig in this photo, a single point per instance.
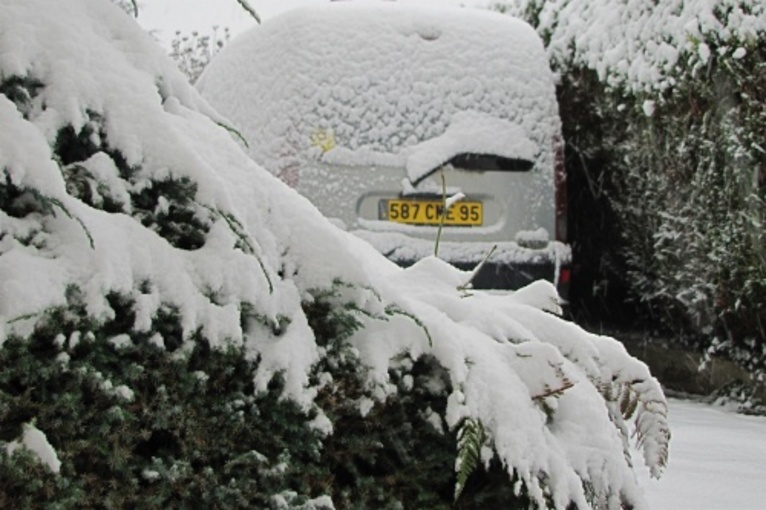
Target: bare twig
pixel 444 212
pixel 246 6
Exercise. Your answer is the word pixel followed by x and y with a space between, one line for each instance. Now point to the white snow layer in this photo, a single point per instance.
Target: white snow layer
pixel 719 458
pixel 36 442
pixel 421 82
pixel 470 132
pixel 636 43
pixel 507 359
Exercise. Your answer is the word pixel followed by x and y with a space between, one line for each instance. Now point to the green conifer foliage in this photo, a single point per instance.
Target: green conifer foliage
pixel 191 429
pixel 167 206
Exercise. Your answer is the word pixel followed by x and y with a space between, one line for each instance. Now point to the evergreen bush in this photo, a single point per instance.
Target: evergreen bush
pixel 190 428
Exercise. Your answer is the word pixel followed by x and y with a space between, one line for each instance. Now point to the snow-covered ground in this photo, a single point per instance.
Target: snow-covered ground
pixel 717 461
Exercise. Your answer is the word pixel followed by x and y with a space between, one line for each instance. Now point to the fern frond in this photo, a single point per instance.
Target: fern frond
pixel 628 403
pixel 637 399
pixel 564 383
pixel 631 394
pixel 470 439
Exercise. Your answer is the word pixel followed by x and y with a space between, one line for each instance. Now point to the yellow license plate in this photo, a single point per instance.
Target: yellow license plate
pixel 429 212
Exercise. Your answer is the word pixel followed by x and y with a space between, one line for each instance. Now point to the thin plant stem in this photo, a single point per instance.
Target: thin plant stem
pixel 444 212
pixel 246 6
pixel 476 270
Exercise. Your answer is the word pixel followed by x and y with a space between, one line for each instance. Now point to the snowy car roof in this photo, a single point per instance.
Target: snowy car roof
pixel 383 78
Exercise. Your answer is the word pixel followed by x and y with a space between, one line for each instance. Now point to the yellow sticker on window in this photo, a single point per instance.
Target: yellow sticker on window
pixel 324 139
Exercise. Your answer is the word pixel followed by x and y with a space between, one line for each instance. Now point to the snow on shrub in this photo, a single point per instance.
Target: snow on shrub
pixel 664 106
pixel 638 44
pixel 157 285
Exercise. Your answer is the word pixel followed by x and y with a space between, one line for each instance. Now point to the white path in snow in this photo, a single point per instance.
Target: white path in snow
pixel 717 461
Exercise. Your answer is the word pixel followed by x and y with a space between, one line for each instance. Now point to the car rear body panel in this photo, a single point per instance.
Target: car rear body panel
pixel 359 105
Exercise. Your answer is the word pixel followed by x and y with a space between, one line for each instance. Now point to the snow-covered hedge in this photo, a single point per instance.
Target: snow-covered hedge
pixel 180 326
pixel 639 45
pixel 664 106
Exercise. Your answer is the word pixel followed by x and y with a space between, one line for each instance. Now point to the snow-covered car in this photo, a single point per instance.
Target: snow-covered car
pixel 378 112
